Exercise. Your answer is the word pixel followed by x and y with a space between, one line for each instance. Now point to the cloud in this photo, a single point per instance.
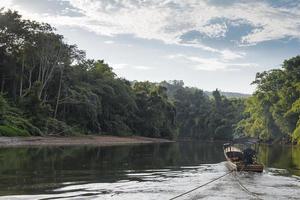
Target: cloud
pixel 6 4
pixel 109 42
pixel 272 23
pixel 230 55
pixel 226 54
pixel 142 67
pixel 122 66
pixel 168 20
pixel 210 64
pixel 215 30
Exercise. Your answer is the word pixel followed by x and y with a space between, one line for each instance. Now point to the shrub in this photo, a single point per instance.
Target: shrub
pixel 8 130
pixel 56 127
pixel 13 123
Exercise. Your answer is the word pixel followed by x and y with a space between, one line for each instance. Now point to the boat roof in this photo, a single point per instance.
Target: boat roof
pixel 232 149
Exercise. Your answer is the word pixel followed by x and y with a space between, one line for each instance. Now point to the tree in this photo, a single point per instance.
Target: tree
pixel 272 113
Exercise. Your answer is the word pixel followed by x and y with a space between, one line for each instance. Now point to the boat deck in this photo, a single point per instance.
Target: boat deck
pixel 234 159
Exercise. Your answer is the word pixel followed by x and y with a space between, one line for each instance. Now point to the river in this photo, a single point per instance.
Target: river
pixel 152 171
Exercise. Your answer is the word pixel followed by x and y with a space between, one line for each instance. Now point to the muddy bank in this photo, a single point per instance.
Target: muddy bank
pixel 78 140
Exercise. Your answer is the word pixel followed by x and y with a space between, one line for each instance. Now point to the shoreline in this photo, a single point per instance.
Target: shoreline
pixel 36 141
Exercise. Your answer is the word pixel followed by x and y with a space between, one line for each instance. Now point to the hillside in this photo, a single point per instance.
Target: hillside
pixel 230 94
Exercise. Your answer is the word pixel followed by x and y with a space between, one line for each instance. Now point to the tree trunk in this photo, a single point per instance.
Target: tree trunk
pixel 47 71
pixel 58 93
pixel 14 89
pixel 29 83
pixel 21 79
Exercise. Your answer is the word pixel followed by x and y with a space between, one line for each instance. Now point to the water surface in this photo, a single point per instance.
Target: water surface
pixel 152 171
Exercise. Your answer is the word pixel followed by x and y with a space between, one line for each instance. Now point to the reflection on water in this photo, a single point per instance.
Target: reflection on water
pixel 156 171
pixel 282 157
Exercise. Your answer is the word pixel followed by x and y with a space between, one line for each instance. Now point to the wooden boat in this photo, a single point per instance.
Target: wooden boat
pixel 235 160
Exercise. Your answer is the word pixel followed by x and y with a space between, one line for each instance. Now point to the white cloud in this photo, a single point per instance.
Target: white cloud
pixel 168 20
pixel 122 66
pixel 6 4
pixel 271 24
pixel 230 55
pixel 226 54
pixel 215 30
pixel 210 64
pixel 142 67
pixel 109 42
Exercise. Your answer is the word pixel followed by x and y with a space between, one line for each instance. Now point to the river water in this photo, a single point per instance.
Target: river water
pixel 152 171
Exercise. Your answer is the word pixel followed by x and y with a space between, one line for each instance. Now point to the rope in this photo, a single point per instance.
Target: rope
pixel 213 180
pixel 244 188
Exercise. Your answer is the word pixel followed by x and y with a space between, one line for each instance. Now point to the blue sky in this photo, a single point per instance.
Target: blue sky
pixel 206 43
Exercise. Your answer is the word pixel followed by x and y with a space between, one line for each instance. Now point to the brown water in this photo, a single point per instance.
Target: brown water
pixel 156 171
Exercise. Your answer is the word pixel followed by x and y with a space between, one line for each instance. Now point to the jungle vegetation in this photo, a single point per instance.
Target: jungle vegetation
pixel 272 112
pixel 49 87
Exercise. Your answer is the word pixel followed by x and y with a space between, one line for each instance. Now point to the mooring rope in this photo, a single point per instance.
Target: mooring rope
pixel 244 188
pixel 213 180
pixel 196 188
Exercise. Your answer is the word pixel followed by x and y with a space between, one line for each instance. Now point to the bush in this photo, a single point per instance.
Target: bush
pixel 22 123
pixel 7 130
pixel 13 123
pixel 56 127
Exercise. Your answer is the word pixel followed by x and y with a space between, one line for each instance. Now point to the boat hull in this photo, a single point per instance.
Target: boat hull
pixel 236 164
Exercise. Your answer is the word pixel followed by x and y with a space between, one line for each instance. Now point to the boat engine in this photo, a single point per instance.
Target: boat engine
pixel 249 156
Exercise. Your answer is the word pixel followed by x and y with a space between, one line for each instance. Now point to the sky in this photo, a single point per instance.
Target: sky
pixel 208 44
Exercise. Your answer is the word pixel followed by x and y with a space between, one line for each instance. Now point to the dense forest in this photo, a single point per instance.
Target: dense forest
pixel 49 87
pixel 199 116
pixel 272 112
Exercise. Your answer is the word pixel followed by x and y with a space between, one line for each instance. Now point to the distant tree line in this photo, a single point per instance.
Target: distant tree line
pixel 203 117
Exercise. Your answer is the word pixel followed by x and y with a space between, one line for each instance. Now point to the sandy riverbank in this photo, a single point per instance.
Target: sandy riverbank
pixel 78 140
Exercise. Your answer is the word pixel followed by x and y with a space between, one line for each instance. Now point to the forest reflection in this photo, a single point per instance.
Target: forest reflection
pixel 28 170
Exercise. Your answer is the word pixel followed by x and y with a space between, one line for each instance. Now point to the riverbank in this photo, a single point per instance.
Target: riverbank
pixel 78 140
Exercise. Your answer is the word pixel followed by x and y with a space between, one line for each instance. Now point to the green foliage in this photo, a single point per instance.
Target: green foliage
pixel 56 127
pixel 7 130
pixel 155 112
pixel 201 117
pixel 296 133
pixel 13 123
pixel 60 92
pixel 3 108
pixel 272 113
pixel 54 89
